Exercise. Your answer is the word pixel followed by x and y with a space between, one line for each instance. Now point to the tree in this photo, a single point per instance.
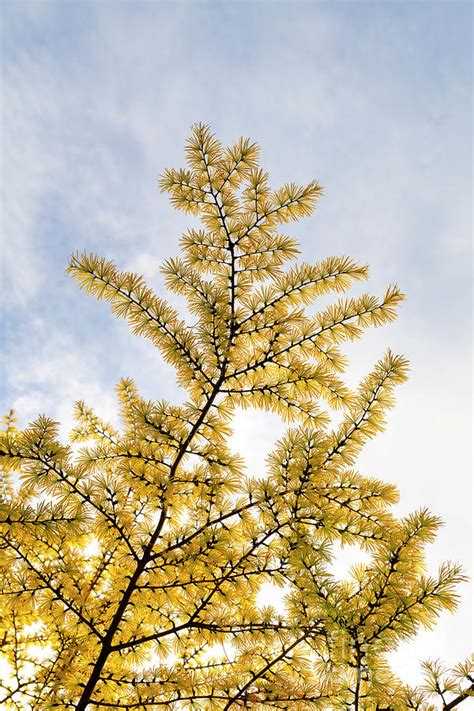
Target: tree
pixel 131 565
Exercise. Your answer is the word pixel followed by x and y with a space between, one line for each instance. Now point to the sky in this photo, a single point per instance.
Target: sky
pixel 372 98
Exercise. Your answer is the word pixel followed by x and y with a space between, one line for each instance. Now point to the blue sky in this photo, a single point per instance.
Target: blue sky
pixel 374 99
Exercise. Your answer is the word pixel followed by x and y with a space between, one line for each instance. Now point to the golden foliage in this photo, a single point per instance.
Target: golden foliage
pixel 132 561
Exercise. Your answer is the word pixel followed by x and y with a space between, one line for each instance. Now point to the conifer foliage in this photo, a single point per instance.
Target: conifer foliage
pixel 132 561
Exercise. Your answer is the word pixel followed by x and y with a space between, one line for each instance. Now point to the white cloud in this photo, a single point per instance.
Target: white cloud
pixel 49 377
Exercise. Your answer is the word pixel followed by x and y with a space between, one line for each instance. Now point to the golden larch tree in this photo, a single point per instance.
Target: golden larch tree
pixel 132 561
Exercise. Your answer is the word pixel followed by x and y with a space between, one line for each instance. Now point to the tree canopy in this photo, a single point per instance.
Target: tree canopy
pixel 132 558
